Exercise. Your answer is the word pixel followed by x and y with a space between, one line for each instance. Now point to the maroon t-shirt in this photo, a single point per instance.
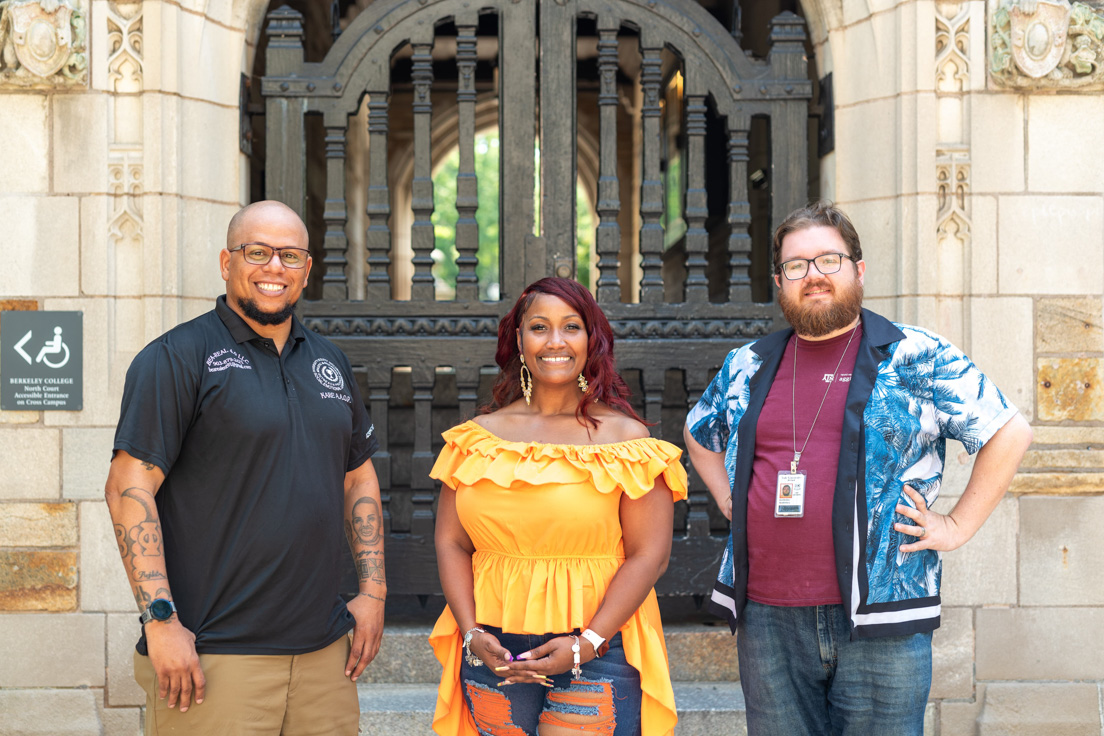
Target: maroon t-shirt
pixel 791 561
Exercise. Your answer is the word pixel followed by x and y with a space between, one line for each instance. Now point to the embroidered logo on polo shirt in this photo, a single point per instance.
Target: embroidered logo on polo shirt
pixel 224 359
pixel 328 374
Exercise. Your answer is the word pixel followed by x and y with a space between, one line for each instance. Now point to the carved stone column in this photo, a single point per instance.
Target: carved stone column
pixel 952 164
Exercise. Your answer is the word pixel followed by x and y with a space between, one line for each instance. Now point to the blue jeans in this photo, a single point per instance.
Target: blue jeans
pixel 609 682
pixel 802 674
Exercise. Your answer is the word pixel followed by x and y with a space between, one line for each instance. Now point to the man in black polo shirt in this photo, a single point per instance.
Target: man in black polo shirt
pixel 242 445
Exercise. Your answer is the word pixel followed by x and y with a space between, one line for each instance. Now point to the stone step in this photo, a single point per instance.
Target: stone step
pixel 696 653
pixel 704 708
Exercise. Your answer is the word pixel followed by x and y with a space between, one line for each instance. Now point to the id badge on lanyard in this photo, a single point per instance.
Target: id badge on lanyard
pixel 789 494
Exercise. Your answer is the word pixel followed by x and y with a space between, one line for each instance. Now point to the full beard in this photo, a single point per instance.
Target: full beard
pixel 818 320
pixel 268 319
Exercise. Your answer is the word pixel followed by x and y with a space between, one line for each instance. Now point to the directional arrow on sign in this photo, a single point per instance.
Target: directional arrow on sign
pixel 19 347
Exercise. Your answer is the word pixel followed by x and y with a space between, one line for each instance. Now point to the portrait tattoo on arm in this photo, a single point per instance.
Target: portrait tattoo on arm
pixel 366 522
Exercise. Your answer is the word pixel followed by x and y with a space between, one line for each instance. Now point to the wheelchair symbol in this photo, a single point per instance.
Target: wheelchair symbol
pixel 53 346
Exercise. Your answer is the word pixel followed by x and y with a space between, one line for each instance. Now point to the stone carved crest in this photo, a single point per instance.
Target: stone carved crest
pixel 42 42
pixel 1047 44
pixel 1039 36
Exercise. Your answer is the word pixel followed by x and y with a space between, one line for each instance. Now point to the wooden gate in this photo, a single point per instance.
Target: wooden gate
pixel 676 308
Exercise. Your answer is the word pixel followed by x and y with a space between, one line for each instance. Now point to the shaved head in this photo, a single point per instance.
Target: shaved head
pixel 267 210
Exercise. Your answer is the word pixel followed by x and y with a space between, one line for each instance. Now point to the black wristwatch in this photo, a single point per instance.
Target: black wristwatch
pixel 160 609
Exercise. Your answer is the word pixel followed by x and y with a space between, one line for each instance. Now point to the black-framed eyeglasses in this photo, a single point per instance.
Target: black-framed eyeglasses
pixel 827 263
pixel 260 254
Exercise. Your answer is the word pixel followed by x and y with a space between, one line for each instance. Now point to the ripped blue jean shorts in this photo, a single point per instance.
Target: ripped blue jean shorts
pixel 512 710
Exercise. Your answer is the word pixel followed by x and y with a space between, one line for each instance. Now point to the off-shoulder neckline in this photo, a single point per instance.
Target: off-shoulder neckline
pixel 594 445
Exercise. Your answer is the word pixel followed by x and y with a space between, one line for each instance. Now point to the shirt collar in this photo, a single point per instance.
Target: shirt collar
pixel 877 331
pixel 240 329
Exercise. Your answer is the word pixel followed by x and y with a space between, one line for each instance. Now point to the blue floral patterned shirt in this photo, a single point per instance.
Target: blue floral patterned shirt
pixel 910 391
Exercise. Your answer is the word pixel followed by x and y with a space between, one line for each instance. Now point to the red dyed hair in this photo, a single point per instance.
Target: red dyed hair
pixel 604 384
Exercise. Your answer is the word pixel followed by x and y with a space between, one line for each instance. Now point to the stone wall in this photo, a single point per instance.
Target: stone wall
pixel 982 216
pixel 981 211
pixel 114 197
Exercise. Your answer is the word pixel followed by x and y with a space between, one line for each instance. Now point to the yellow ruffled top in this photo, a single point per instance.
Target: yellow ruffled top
pixel 545 523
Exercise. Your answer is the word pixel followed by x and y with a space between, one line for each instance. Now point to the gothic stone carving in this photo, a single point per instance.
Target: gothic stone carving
pixel 42 43
pixel 1047 44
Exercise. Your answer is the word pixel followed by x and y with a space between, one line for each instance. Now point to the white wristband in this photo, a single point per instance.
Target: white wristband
pixel 595 640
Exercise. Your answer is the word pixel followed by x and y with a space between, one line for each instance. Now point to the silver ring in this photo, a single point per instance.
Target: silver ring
pixel 923 532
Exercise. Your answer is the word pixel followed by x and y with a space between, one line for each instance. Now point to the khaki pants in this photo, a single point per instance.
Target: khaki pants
pixel 261 695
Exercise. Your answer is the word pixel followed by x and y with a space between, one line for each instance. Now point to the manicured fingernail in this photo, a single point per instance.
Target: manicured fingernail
pixel 547 684
pixel 524 655
pixel 509 657
pixel 504 682
pixel 503 667
pixel 543 677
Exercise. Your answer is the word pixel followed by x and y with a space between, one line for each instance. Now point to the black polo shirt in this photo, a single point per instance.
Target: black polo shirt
pixel 255 446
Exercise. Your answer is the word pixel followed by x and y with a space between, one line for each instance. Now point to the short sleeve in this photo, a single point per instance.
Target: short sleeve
pixel 159 400
pixel 364 443
pixel 968 405
pixel 708 420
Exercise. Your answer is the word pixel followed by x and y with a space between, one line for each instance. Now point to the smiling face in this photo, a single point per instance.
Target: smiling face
pixel 265 295
pixel 553 341
pixel 820 306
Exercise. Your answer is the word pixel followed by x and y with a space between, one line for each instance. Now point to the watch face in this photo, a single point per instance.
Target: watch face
pixel 161 609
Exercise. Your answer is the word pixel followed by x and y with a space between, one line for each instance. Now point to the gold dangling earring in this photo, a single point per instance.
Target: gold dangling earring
pixel 583 383
pixel 526 382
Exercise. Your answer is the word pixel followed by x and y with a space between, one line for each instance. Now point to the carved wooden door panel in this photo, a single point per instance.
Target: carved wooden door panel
pixel 599 85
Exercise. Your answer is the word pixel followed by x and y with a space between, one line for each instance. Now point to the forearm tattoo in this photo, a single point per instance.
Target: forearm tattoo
pixel 364 530
pixel 141 548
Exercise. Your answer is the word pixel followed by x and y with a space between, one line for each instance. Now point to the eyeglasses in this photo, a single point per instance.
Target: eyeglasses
pixel 260 254
pixel 827 263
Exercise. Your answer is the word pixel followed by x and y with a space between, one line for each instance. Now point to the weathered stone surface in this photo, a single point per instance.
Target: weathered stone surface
pixel 86 457
pixel 80 143
pixel 20 417
pixel 1070 388
pixel 23 118
pixel 959 717
pixel 983 241
pixel 1000 352
pixel 1061 546
pixel 982 571
pixel 931 717
pixel 121 721
pixel 50 713
pixel 867 132
pixel 1085 436
pixel 1056 459
pixel 953 655
pixel 1062 223
pixel 1057 483
pixel 38 525
pixel 38 580
pixel 18 305
pixel 1040 709
pixel 104 585
pixel 701 654
pixel 123 631
pixel 403 658
pixel 1071 325
pixel 48 230
pixel 997 124
pixel 1062 130
pixel 29 463
pixel 1039 643
pixel 52 650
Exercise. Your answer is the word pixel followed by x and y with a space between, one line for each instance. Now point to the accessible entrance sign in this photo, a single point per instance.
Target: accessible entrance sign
pixel 41 361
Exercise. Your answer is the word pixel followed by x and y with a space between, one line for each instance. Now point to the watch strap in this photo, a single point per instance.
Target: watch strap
pixel 601 646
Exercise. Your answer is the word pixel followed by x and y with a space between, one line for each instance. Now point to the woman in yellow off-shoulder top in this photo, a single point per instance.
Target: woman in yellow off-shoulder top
pixel 553 525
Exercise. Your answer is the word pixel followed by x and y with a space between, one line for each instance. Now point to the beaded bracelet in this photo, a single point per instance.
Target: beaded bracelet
pixel 576 669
